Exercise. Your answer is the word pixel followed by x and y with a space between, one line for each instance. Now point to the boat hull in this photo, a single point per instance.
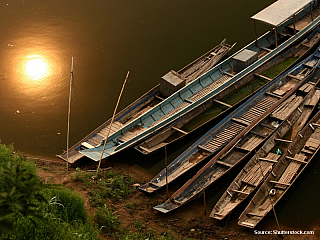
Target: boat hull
pixel 184 162
pixel 248 139
pixel 291 164
pixel 261 164
pixel 194 94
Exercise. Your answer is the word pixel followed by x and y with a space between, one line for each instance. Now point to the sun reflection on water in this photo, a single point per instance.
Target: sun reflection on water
pixel 36 67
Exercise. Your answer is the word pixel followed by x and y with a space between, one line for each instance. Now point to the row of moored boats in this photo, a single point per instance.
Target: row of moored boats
pixel 270 128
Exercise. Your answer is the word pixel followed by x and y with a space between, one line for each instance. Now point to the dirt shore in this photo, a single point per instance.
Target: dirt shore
pixel 189 222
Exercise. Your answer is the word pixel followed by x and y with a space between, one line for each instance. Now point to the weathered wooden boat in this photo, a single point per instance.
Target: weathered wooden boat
pixel 248 129
pixel 185 161
pixel 219 104
pixel 263 161
pixel 291 164
pixel 186 98
pixel 144 103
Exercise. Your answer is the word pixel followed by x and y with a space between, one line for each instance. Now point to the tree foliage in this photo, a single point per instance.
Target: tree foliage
pixel 19 189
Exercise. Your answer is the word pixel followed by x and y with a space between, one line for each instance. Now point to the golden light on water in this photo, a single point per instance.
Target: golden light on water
pixel 36 67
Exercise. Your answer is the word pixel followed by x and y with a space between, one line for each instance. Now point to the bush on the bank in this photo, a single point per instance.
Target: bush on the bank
pixel 30 209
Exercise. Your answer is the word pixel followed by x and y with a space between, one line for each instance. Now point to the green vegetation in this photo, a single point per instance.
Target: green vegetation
pixel 276 70
pixel 30 209
pixel 108 184
pixel 131 206
pixel 107 218
pixel 244 91
pixel 19 193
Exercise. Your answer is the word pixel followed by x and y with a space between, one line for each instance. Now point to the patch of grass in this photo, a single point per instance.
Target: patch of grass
pixel 109 184
pixel 53 229
pixel 139 225
pixel 107 218
pixel 131 206
pixel 60 215
pixel 65 205
pixel 276 70
pixel 81 176
pixel 65 218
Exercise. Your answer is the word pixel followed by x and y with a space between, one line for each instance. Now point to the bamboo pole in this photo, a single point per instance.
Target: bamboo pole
pixel 69 107
pixel 294 24
pixel 112 119
pixel 204 202
pixel 255 32
pixel 166 162
pixel 275 36
pixel 252 85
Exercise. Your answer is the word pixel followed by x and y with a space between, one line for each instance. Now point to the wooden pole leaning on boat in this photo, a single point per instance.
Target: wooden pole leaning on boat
pixel 112 119
pixel 204 202
pixel 69 107
pixel 166 162
pixel 264 179
pixel 255 32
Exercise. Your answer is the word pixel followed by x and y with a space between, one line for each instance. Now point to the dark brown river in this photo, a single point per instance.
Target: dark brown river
pixel 107 38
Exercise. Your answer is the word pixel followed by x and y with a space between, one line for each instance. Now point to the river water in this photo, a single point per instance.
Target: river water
pixel 106 38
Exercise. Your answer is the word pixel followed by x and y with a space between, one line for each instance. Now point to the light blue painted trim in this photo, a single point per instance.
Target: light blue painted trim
pixel 243 73
pixel 236 77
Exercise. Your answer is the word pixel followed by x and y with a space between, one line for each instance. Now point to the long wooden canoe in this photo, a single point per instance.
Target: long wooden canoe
pixel 219 104
pixel 211 83
pixel 248 130
pixel 147 101
pixel 195 155
pixel 291 164
pixel 261 164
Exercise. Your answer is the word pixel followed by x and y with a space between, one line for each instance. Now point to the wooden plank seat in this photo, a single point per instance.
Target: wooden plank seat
pixel 252 114
pixel 264 77
pixel 252 142
pixel 307 151
pixel 277 93
pixel 228 165
pixel 241 192
pixel 311 63
pixel 128 135
pixel 211 87
pixel 244 122
pixel 313 142
pixel 290 172
pixel 116 126
pixel 254 176
pixel 222 103
pixel 314 100
pixel 287 107
pixel 306 87
pixel 97 139
pixel 224 136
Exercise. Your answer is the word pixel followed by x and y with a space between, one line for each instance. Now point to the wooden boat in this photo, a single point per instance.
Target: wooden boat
pixel 248 129
pixel 261 164
pixel 220 103
pixel 288 168
pixel 144 103
pixel 186 98
pixel 194 155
